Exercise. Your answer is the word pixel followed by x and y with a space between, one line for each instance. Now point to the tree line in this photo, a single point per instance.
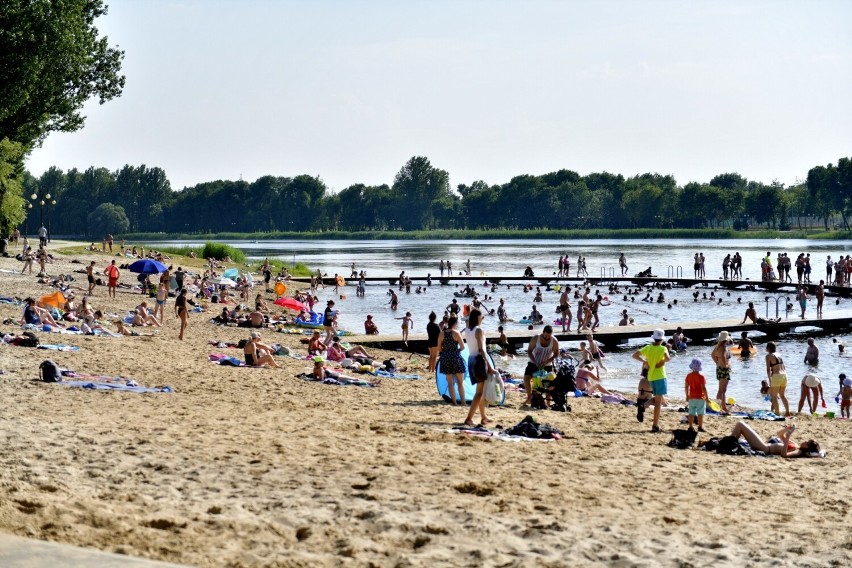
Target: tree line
pixel 140 199
pixel 53 59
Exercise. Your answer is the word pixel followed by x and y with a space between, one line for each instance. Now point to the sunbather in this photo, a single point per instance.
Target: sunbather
pixel 258 354
pixel 782 446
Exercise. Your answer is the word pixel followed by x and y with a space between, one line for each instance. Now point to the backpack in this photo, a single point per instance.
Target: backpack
pixel 50 372
pixel 683 439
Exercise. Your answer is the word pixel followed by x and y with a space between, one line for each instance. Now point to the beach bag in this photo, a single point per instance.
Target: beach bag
pixel 49 372
pixel 683 439
pixel 493 390
pixel 29 339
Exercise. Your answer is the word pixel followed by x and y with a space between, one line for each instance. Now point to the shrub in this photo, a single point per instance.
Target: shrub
pixel 300 269
pixel 221 250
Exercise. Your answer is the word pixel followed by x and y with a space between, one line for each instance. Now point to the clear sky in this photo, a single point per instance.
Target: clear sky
pixel 489 89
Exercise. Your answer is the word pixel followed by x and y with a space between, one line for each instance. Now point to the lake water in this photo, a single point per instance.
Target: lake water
pixel 510 257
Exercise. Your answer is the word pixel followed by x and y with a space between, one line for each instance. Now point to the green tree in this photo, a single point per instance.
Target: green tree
pixel 107 218
pixel 52 61
pixel 11 203
pixel 418 186
pixel 823 190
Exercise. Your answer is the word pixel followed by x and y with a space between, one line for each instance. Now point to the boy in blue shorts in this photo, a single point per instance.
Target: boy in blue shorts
pixel 696 394
pixel 656 355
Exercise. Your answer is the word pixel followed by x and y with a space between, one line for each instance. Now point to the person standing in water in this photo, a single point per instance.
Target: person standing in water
pixel 564 309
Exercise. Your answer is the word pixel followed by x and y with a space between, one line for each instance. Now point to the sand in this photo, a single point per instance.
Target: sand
pixel 254 467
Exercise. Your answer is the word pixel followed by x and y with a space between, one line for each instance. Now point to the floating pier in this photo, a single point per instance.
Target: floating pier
pixel 613 336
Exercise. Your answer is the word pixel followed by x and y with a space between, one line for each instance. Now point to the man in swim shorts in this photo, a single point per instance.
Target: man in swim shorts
pixel 565 309
pixel 542 350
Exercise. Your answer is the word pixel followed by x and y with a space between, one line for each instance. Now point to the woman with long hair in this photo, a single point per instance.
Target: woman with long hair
pixel 479 366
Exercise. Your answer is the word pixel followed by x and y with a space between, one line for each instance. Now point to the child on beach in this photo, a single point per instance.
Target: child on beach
pixel 846 397
pixel 595 351
pixel 696 394
pixel 407 323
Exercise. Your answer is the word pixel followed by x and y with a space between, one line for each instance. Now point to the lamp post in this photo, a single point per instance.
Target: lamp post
pixel 49 203
pixel 42 198
pixel 27 218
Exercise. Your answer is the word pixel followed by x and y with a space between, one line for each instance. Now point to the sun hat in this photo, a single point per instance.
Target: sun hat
pixel 658 335
pixel 811 381
pixel 723 336
pixel 695 365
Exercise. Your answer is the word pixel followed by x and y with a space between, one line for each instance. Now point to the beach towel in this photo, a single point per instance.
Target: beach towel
pixel 59 347
pixel 102 382
pixel 222 359
pixel 128 386
pixel 383 373
pixel 346 382
pixel 764 415
pixel 483 432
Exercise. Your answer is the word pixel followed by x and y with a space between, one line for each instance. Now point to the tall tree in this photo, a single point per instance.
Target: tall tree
pixel 11 203
pixel 419 185
pixel 52 60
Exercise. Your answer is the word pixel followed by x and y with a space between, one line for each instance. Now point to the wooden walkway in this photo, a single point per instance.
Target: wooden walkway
pixel 612 336
pixel 771 286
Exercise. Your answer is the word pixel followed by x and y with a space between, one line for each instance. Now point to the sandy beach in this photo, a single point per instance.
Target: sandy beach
pixel 255 467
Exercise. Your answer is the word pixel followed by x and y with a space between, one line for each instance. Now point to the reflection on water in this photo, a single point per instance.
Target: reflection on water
pixel 510 257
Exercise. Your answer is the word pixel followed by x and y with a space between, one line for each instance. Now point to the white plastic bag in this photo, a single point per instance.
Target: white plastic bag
pixel 494 389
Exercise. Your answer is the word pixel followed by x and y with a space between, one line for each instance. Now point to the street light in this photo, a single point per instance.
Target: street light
pixel 27 218
pixel 51 202
pixel 45 198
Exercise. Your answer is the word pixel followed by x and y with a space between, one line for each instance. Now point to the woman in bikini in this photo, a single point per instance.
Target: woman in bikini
pixel 779 445
pixel 181 312
pixel 777 374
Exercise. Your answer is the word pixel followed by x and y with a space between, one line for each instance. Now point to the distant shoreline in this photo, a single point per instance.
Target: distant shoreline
pixel 462 234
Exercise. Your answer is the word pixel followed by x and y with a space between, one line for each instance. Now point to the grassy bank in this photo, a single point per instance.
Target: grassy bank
pixel 549 234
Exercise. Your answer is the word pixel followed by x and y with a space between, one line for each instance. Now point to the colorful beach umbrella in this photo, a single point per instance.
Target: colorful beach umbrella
pixel 291 304
pixel 147 266
pixel 231 273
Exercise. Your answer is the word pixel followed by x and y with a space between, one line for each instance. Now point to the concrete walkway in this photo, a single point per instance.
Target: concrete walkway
pixel 19 552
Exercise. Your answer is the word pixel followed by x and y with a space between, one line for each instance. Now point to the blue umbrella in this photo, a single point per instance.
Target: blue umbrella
pixel 147 266
pixel 231 273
